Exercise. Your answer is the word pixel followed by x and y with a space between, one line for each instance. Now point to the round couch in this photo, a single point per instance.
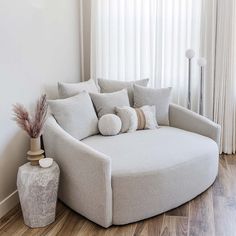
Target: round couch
pixel 133 176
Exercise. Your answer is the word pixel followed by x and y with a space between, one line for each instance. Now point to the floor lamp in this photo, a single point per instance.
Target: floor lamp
pixel 202 63
pixel 189 54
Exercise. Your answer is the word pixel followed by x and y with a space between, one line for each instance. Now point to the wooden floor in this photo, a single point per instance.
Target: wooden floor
pixel 211 213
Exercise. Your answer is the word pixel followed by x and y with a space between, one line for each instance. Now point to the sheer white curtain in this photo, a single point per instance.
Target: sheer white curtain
pixel 134 39
pixel 225 92
pixel 137 39
pixel 219 47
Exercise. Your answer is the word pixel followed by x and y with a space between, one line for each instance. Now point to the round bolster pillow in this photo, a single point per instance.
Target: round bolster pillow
pixel 109 124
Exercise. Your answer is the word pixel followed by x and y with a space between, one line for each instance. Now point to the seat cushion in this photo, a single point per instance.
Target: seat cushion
pixel 148 150
pixel 156 170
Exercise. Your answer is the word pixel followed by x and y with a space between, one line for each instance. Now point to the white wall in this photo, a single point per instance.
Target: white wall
pixel 39 45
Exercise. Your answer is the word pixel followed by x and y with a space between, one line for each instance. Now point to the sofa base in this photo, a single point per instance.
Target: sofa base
pixel 140 197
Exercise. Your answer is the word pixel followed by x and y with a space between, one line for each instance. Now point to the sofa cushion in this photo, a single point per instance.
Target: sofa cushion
pixel 158 97
pixel 148 150
pixel 109 86
pixel 76 115
pixel 105 103
pixel 66 90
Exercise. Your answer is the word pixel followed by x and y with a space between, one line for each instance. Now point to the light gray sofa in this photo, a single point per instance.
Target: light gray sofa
pixel 133 176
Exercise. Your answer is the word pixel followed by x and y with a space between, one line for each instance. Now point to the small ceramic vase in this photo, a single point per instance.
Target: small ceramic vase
pixel 35 153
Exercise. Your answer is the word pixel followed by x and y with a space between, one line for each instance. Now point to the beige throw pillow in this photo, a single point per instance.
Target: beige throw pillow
pixel 137 118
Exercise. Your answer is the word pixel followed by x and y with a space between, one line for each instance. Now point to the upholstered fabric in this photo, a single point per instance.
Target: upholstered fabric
pixel 109 86
pixel 85 180
pixel 137 118
pixel 76 115
pixel 66 90
pixel 149 166
pixel 150 150
pixel 185 119
pixel 133 176
pixel 105 103
pixel 158 97
pixel 109 125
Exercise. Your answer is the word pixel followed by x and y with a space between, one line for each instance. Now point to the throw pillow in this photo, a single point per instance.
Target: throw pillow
pixel 76 115
pixel 105 103
pixel 137 118
pixel 109 86
pixel 158 97
pixel 66 90
pixel 109 124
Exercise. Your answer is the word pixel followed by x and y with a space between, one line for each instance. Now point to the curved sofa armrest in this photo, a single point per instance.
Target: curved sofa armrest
pixel 85 181
pixel 183 118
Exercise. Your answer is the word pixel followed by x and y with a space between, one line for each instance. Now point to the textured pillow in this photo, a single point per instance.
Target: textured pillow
pixel 109 86
pixel 105 103
pixel 128 118
pixel 109 124
pixel 158 97
pixel 76 115
pixel 137 118
pixel 66 90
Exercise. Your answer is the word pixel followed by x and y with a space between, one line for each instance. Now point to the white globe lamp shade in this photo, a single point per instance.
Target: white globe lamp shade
pixel 202 61
pixel 190 53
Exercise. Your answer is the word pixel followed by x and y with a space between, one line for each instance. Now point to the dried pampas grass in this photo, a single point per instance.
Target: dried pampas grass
pixel 33 125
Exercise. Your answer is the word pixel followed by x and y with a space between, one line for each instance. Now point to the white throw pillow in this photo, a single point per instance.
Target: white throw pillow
pixel 128 118
pixel 105 103
pixel 109 124
pixel 109 86
pixel 76 115
pixel 137 118
pixel 66 90
pixel 158 97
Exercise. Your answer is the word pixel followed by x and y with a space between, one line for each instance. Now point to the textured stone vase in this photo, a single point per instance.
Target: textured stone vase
pixel 35 153
pixel 37 188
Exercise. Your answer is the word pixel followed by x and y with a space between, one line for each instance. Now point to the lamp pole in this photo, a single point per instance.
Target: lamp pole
pixel 189 54
pixel 202 63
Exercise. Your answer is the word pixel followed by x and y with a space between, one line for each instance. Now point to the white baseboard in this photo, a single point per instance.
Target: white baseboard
pixel 8 203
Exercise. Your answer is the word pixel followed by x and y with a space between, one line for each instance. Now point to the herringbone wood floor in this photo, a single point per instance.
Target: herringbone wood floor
pixel 211 213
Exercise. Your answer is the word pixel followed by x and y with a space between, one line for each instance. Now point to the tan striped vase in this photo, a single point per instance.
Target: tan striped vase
pixel 35 153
